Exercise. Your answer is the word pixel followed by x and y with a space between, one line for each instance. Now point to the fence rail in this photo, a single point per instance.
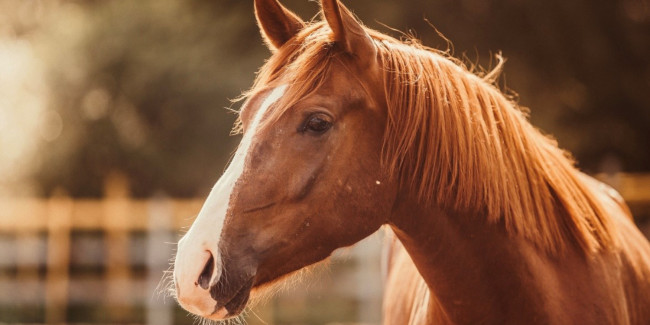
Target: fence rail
pixel 35 214
pixel 37 224
pixel 116 217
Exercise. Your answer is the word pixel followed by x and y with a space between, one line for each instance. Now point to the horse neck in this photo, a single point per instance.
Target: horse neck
pixel 471 267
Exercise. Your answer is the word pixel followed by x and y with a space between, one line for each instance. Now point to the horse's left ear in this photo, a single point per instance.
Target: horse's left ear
pixel 348 31
pixel 277 23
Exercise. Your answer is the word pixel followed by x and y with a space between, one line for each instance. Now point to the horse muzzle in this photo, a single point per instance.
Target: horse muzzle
pixel 205 288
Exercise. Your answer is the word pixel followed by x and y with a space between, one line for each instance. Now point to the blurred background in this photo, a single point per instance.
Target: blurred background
pixel 113 128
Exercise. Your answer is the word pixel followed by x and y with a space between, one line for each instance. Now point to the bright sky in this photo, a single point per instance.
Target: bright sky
pixel 24 121
pixel 23 118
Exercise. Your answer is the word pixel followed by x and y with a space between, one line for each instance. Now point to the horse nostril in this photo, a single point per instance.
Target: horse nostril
pixel 206 274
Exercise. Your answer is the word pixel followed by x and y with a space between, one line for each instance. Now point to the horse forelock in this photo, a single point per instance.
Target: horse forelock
pixel 302 63
pixel 457 141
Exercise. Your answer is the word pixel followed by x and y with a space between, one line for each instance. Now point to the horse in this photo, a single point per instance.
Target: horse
pixel 346 130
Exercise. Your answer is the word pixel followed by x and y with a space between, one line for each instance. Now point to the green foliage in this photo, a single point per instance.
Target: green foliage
pixel 148 100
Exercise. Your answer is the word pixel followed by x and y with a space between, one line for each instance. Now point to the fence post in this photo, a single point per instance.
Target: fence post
pixel 367 254
pixel 116 222
pixel 58 257
pixel 28 259
pixel 159 251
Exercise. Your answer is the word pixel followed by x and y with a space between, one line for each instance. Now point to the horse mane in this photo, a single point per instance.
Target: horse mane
pixel 456 141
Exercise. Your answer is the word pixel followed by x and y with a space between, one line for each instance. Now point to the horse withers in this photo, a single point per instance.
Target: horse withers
pixel 346 129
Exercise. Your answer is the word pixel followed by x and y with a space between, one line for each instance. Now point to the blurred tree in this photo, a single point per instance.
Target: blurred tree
pixel 141 86
pixel 142 90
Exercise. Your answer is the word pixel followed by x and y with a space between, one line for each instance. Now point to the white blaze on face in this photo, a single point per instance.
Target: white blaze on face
pixel 205 232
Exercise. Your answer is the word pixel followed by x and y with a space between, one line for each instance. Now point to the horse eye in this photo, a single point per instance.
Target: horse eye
pixel 317 124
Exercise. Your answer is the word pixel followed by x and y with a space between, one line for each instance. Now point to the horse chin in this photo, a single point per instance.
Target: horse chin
pixel 248 294
pixel 254 290
pixel 231 305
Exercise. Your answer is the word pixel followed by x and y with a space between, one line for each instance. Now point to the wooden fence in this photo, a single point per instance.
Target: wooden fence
pixel 117 217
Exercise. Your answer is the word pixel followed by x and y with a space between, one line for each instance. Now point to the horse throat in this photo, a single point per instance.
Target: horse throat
pixel 471 266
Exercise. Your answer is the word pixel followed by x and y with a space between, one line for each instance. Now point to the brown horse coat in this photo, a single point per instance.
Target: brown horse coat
pixel 408 299
pixel 346 130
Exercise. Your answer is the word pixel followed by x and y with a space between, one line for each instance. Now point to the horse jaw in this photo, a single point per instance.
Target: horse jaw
pixel 200 244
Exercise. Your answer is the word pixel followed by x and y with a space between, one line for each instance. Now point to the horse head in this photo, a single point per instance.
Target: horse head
pixel 306 178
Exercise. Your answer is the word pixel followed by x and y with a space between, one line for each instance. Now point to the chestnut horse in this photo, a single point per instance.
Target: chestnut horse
pixel 346 129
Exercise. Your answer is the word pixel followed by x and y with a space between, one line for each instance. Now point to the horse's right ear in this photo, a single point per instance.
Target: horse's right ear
pixel 277 23
pixel 348 32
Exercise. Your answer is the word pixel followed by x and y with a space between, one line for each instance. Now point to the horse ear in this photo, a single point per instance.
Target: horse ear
pixel 277 23
pixel 347 30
